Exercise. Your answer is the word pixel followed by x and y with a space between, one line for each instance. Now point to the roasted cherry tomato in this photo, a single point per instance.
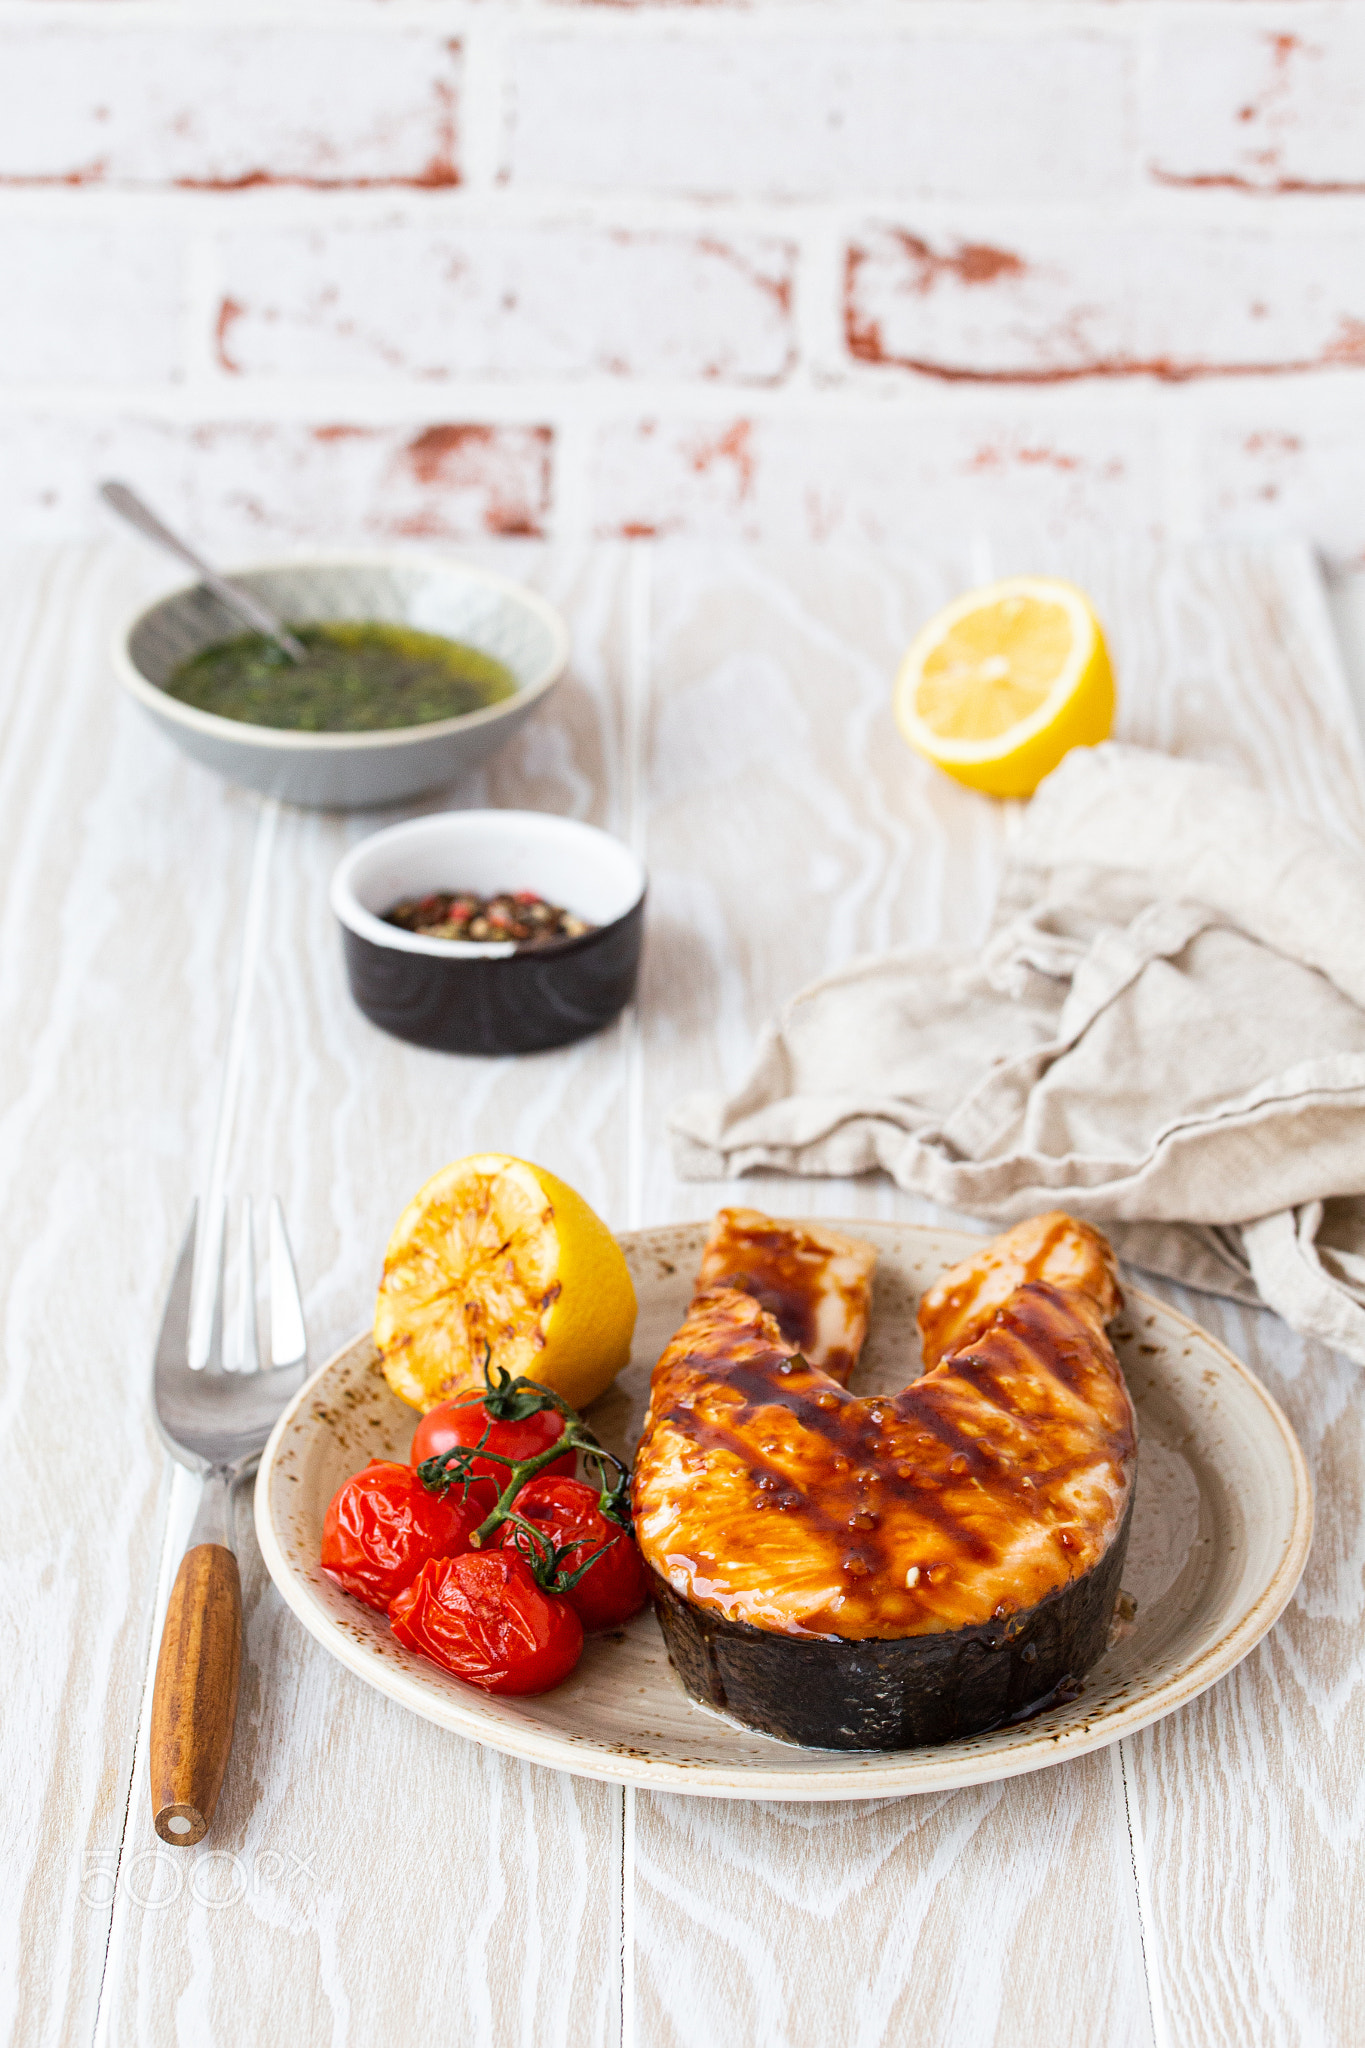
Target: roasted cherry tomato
pixel 464 1422
pixel 383 1525
pixel 484 1617
pixel 567 1513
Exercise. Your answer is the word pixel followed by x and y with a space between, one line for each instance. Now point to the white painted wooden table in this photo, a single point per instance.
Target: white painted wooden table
pixel 173 1009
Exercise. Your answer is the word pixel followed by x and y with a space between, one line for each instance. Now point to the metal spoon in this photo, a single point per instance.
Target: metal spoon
pixel 258 616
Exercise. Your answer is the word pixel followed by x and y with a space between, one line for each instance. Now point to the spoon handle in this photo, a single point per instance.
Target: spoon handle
pixel 258 616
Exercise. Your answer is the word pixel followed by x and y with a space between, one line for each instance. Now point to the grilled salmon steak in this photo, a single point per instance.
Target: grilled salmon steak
pixel 881 1571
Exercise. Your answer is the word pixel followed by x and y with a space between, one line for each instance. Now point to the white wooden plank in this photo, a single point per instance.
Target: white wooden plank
pixel 1251 1798
pixel 995 1915
pixel 477 1898
pixel 788 828
pixel 118 956
pixel 774 775
pixel 1219 657
pixel 1249 1801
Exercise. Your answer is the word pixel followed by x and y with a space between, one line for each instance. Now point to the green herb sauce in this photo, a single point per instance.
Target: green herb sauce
pixel 360 676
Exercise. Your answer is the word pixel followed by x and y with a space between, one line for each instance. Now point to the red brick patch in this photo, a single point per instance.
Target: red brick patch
pixel 1261 109
pixel 448 471
pixel 1056 304
pixel 1287 476
pixel 244 487
pixel 885 477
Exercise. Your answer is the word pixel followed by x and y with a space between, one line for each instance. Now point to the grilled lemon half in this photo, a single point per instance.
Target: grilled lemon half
pixel 496 1252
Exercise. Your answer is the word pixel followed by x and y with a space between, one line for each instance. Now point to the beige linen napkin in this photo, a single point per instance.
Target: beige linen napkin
pixel 1165 1033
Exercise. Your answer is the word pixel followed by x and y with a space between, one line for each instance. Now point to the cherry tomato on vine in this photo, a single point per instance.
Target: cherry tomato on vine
pixel 484 1617
pixel 382 1526
pixel 568 1514
pixel 457 1423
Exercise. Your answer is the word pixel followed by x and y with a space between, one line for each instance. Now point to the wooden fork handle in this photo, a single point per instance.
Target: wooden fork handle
pixel 194 1700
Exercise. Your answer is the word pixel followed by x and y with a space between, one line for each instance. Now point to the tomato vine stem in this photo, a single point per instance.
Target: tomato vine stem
pixel 508 1399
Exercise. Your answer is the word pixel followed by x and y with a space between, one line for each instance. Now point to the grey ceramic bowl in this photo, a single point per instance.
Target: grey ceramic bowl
pixel 351 770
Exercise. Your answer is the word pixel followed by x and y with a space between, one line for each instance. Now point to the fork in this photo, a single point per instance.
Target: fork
pixel 214 1416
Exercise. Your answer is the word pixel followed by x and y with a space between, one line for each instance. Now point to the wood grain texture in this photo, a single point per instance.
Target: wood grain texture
pixel 119 937
pixel 368 1873
pixel 787 827
pixel 1223 656
pixel 1251 1801
pixel 794 830
pixel 930 1919
pixel 478 1897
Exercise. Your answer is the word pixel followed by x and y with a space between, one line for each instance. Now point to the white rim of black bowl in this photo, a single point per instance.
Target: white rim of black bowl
pixel 482 829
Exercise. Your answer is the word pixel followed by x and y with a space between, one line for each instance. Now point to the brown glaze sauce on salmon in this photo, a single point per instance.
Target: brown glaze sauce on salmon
pixel 814 1282
pixel 767 1492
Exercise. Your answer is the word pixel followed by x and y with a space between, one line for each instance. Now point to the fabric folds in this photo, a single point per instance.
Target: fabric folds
pixel 1165 1034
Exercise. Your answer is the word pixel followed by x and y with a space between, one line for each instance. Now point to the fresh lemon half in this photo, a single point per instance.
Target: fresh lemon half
pixel 1003 683
pixel 494 1251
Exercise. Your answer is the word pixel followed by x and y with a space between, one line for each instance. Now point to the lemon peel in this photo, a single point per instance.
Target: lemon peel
pixel 1003 683
pixel 493 1251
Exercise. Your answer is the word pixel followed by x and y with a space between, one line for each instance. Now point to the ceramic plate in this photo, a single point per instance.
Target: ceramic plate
pixel 1221 1528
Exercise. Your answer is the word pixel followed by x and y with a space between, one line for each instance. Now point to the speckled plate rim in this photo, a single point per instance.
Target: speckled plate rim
pixel 1029 1747
pixel 280 738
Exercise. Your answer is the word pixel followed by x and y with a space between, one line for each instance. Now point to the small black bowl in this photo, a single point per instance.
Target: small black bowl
pixel 461 996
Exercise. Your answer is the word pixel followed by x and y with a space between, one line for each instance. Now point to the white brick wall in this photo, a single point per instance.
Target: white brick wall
pixel 92 302
pixel 115 102
pixel 784 114
pixel 398 298
pixel 1271 104
pixel 893 476
pixel 852 268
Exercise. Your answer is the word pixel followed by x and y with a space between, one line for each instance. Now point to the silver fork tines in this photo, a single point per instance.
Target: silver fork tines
pixel 288 1337
pixel 246 1352
pixel 242 1352
pixel 218 1411
pixel 212 1361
